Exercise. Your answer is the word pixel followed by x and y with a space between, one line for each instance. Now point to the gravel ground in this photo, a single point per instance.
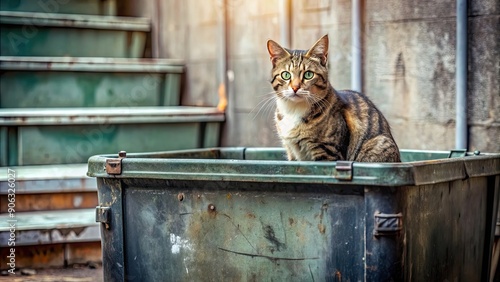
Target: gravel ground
pixel 71 274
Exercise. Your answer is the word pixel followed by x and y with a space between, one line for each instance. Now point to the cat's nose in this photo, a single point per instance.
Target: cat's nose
pixel 295 88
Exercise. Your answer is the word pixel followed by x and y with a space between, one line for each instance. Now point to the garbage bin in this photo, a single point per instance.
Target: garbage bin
pixel 247 214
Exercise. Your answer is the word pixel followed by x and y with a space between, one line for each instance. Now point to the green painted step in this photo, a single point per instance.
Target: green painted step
pixel 88 7
pixel 51 82
pixel 49 34
pixel 72 135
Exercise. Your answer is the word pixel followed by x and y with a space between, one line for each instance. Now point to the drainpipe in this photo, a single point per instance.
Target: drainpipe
pixel 285 23
pixel 461 133
pixel 356 41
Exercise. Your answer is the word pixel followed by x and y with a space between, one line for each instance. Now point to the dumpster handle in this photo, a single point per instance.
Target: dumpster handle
pixel 343 170
pixel 388 224
pixel 103 215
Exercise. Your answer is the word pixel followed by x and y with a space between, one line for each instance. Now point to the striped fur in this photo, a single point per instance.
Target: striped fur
pixel 317 123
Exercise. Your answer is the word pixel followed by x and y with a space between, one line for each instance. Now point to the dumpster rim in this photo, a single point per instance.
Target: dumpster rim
pixel 379 174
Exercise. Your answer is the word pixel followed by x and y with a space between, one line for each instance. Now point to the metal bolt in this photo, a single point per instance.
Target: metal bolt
pixel 477 153
pixel 122 154
pixel 180 196
pixel 211 208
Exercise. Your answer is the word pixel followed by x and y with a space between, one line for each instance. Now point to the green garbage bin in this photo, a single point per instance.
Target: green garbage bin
pixel 246 214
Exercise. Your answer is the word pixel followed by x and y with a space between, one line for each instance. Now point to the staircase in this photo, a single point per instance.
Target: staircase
pixel 75 82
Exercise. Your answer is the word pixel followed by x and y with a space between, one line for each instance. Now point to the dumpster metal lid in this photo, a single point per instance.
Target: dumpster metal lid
pixel 268 165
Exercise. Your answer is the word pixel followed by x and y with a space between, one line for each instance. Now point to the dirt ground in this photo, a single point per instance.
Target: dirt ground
pixel 70 274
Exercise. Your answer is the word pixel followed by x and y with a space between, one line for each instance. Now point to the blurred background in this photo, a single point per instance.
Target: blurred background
pixel 86 77
pixel 408 59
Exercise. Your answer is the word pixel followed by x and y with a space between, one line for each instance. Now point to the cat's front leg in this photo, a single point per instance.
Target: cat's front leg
pixel 289 154
pixel 325 152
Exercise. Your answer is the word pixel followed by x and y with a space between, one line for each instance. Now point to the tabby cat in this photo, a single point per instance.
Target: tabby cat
pixel 317 123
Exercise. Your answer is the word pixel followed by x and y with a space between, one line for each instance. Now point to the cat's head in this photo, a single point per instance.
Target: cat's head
pixel 300 75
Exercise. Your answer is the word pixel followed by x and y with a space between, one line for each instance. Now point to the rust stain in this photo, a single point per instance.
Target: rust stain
pixel 338 275
pixel 291 221
pixel 229 196
pixel 250 215
pixel 321 228
pixel 195 228
pixel 180 197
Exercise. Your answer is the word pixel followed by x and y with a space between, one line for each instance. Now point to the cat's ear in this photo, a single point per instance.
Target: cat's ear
pixel 276 51
pixel 320 50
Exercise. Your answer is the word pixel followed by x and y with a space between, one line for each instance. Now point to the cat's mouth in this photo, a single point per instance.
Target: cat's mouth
pixel 296 96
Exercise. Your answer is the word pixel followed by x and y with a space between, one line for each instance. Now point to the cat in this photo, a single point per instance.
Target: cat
pixel 314 121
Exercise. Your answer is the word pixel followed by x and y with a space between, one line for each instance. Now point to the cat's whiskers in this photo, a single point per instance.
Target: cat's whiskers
pixel 263 106
pixel 322 102
pixel 266 105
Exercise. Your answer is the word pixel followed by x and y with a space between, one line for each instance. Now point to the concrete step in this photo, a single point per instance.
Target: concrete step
pixel 49 227
pixel 52 34
pixel 48 179
pixel 53 221
pixel 49 187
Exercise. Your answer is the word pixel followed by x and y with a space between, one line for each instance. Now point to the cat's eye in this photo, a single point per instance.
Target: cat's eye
pixel 308 74
pixel 286 75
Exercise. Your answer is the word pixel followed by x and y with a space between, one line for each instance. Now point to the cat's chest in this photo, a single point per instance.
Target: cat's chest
pixel 290 119
pixel 289 127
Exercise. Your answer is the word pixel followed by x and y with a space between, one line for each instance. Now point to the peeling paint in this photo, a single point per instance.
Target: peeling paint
pixel 178 243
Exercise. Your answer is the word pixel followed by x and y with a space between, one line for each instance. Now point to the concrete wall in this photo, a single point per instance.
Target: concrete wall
pixel 408 59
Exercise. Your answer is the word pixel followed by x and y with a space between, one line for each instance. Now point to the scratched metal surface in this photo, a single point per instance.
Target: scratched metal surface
pixel 244 214
pixel 191 232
